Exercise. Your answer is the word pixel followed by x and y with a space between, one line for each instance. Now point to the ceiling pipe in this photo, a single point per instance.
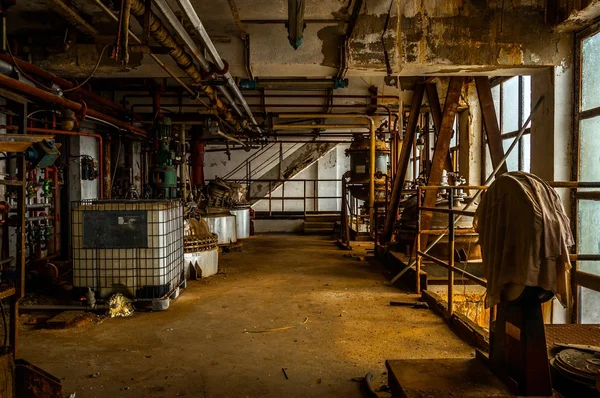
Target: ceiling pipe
pixel 64 84
pixel 184 61
pixel 295 24
pixel 189 10
pixel 166 10
pixel 72 17
pixel 35 93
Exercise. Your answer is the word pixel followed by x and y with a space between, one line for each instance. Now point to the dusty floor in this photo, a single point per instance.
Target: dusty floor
pixel 199 346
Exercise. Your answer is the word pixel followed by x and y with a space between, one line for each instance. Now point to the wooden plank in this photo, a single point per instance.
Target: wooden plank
pixel 490 121
pixel 460 377
pixel 587 280
pixel 440 153
pixel 407 144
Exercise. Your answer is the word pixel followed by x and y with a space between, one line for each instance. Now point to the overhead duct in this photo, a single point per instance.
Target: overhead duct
pixel 295 24
pixel 161 34
pixel 190 12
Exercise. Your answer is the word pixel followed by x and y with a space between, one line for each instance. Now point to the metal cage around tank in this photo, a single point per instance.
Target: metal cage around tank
pixel 134 247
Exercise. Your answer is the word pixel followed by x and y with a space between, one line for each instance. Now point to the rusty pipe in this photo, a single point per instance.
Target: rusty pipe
pixel 195 95
pixel 190 12
pixel 370 123
pixel 36 93
pixel 65 84
pixel 327 96
pixel 184 61
pixel 170 16
pixel 79 134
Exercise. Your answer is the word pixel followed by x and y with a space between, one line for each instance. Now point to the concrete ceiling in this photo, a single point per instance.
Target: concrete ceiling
pixel 423 37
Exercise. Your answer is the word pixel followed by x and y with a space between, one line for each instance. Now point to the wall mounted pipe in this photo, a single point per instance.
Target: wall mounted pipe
pixel 370 123
pixel 166 10
pixel 189 10
pixel 65 84
pixel 42 95
pixel 37 130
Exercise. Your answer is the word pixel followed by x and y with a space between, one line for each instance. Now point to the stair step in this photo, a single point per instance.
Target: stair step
pixel 318 231
pixel 324 224
pixel 322 217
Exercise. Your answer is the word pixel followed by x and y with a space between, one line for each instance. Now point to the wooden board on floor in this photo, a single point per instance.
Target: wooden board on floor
pixel 433 378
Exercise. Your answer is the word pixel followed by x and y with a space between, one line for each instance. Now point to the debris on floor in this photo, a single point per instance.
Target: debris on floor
pixel 414 304
pixel 68 319
pixel 119 305
pixel 277 329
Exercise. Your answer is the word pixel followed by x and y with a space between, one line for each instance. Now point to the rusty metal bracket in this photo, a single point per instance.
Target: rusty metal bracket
pixel 82 113
pixel 121 52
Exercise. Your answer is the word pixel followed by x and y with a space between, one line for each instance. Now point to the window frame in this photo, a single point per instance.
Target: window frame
pixel 509 134
pixel 579 278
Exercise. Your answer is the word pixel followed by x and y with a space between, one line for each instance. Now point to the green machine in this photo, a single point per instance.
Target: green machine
pixel 163 174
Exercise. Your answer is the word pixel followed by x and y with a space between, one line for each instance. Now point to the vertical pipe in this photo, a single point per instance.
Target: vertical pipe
pixel 450 253
pixel 304 184
pixel 55 220
pixel 418 243
pixel 183 162
pixel 107 168
pixel 270 212
pixel 283 197
pixel 372 178
pixel 197 157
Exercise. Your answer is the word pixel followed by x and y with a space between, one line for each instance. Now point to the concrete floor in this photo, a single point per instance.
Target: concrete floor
pixel 199 346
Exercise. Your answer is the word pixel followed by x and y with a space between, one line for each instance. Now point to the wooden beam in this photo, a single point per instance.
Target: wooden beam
pixel 436 115
pixel 440 154
pixel 400 176
pixel 490 122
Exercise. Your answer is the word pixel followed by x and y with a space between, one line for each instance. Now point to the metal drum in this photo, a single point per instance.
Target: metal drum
pixel 242 221
pixel 224 226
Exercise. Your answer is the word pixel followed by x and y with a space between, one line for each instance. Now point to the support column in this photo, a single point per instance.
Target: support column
pixel 552 134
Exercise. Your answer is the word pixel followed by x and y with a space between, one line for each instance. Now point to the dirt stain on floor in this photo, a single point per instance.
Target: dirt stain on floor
pixel 199 346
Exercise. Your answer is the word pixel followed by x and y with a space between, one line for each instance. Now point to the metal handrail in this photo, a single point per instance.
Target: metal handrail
pixel 273 181
pixel 592 281
pixel 248 159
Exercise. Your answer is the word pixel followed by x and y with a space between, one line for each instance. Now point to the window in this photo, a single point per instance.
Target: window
pixel 512 101
pixel 587 169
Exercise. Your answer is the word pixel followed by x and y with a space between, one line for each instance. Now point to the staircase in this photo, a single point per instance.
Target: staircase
pixel 290 166
pixel 320 224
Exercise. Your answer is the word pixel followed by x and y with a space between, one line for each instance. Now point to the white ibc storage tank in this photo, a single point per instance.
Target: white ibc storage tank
pixel 132 247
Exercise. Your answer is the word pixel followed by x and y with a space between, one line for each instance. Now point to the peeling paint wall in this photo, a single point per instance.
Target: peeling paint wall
pixel 473 36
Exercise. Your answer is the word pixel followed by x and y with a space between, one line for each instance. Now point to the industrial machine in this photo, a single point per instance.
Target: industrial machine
pixel 359 152
pixel 163 173
pixel 358 225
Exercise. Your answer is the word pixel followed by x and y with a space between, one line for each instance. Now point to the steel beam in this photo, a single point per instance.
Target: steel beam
pixel 490 122
pixel 436 115
pixel 440 154
pixel 400 176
